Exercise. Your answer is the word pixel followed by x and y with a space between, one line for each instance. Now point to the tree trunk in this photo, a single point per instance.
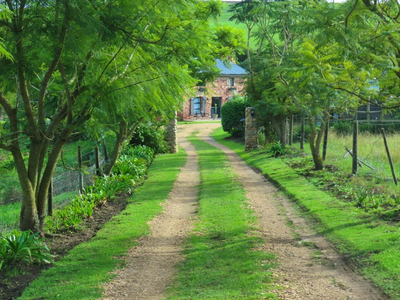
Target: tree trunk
pixel 280 124
pixel 316 136
pixel 268 133
pixel 123 134
pixel 119 143
pixel 315 151
pixel 29 215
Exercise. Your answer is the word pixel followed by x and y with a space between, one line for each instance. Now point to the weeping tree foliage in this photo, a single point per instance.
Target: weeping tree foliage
pixel 160 94
pixel 76 58
pixel 157 93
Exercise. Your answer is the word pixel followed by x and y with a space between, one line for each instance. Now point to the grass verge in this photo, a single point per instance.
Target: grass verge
pixel 79 275
pixel 370 242
pixel 222 260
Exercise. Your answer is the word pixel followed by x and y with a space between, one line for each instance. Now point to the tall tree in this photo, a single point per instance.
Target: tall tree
pixel 292 73
pixel 277 35
pixel 72 57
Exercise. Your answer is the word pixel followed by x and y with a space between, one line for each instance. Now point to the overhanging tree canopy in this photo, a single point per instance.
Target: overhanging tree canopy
pixel 74 57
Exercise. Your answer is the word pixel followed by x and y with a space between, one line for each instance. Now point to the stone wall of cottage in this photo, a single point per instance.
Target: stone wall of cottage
pixel 219 88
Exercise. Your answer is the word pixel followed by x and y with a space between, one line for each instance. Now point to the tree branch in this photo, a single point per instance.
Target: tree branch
pixel 43 87
pixel 351 11
pixel 140 39
pixel 112 59
pixel 5 104
pixel 136 83
pixel 70 99
pixel 363 98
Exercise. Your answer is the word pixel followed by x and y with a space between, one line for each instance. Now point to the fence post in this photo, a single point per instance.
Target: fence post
pixel 302 133
pixel 355 136
pixel 50 196
pixel 105 151
pixel 97 155
pixel 291 130
pixel 80 178
pixel 389 157
pixel 325 146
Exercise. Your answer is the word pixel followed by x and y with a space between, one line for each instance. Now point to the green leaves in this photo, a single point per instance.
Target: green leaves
pixel 23 247
pixel 5 15
pixel 127 173
pixel 276 149
pixel 233 114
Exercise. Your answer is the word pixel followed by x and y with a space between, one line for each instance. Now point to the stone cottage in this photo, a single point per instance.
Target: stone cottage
pixel 207 101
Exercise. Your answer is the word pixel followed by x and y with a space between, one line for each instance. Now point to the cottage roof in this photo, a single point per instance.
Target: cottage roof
pixel 230 69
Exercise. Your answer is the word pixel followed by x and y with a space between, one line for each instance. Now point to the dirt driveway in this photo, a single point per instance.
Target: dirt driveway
pixel 308 268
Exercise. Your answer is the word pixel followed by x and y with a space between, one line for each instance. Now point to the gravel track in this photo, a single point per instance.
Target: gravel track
pixel 309 268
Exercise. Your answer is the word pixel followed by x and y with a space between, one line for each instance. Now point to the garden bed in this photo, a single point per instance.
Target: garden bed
pixel 12 286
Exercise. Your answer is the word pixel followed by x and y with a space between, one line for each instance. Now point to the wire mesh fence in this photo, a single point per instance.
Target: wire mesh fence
pixel 372 157
pixel 66 185
pixel 66 181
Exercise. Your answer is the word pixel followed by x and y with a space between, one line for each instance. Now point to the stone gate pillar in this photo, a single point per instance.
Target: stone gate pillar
pixel 251 129
pixel 171 136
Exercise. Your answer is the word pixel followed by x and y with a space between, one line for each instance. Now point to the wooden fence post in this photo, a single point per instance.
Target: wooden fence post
pixel 325 146
pixel 302 133
pixel 80 178
pixel 355 137
pixel 291 130
pixel 389 157
pixel 97 155
pixel 50 196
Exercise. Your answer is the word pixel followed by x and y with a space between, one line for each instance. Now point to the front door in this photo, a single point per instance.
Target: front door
pixel 216 106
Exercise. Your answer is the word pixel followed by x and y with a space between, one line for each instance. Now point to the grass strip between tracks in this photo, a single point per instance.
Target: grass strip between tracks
pixel 372 244
pixel 79 275
pixel 222 260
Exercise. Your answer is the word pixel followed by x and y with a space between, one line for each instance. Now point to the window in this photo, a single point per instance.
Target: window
pixel 231 81
pixel 196 106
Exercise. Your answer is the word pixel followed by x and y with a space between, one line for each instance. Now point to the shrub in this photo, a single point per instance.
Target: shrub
pixel 232 117
pixel 23 247
pixel 276 149
pixel 128 171
pixel 140 151
pixel 151 136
